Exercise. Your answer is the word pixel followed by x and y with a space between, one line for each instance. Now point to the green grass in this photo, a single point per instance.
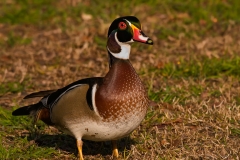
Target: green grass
pixel 12 87
pixel 202 68
pixel 13 40
pixel 22 131
pixel 204 10
pixel 27 12
pixel 211 71
pixel 37 12
pixel 43 12
pixel 235 131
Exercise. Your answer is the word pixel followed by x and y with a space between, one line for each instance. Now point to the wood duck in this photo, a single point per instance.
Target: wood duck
pixel 99 108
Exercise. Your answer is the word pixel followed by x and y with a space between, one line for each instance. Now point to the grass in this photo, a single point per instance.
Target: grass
pixel 27 12
pixel 20 129
pixel 208 70
pixel 43 11
pixel 12 87
pixel 14 40
pixel 205 10
pixel 205 68
pixel 191 72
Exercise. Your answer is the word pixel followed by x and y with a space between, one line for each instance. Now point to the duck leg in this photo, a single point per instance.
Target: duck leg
pixel 115 149
pixel 79 146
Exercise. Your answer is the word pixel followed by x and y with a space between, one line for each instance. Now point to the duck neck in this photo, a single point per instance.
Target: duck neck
pixel 117 50
pixel 113 60
pixel 121 87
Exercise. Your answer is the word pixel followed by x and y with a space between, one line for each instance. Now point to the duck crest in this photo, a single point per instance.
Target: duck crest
pixel 121 93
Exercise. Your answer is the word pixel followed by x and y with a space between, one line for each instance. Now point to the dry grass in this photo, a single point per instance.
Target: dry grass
pixel 191 73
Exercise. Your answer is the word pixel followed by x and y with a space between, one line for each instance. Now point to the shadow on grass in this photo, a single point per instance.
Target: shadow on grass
pixel 68 144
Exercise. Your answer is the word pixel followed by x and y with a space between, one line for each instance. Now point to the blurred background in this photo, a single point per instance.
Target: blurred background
pixel 192 74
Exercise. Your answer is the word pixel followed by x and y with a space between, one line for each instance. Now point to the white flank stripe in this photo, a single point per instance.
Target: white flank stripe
pixel 94 89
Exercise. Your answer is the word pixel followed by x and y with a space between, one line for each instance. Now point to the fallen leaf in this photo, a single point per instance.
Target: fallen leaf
pixel 86 17
pixel 202 22
pixel 214 19
pixel 202 44
pixel 183 15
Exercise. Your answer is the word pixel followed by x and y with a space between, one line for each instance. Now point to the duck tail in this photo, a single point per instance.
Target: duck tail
pixel 26 110
pixel 33 110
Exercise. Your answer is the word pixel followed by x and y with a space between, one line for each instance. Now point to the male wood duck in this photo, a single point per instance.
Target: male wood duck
pixel 99 108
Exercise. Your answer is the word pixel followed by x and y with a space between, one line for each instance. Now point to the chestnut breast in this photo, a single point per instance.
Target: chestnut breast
pixel 122 92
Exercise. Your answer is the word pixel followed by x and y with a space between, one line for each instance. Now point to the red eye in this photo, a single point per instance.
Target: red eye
pixel 122 25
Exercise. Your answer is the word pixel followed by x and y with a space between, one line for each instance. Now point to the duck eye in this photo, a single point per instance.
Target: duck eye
pixel 122 25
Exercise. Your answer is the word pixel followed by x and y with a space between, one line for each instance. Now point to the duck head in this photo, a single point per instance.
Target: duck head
pixel 121 33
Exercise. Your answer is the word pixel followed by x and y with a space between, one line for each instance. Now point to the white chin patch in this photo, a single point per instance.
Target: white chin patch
pixel 125 49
